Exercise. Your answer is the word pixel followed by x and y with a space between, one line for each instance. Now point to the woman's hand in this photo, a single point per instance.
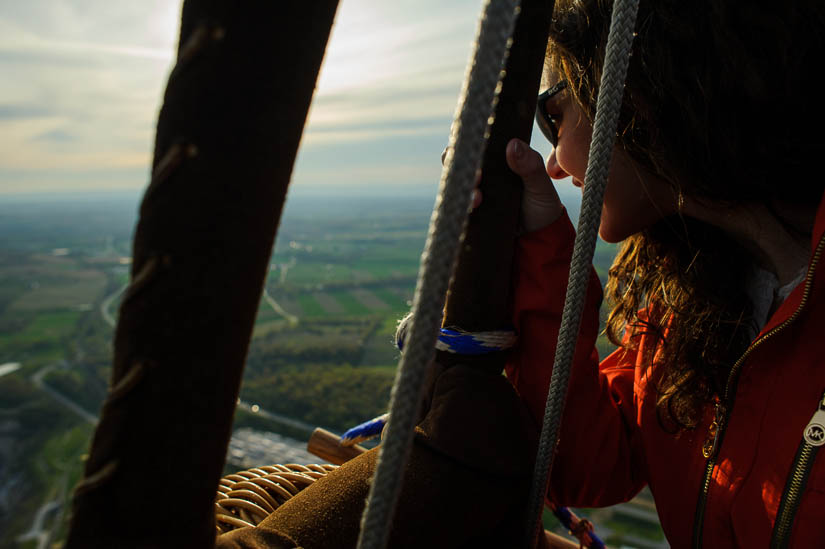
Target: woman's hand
pixel 540 205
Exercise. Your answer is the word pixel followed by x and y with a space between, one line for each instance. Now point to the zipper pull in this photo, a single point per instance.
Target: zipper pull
pixel 715 429
pixel 815 430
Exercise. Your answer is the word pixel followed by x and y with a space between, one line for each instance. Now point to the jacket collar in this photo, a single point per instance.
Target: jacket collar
pixel 812 285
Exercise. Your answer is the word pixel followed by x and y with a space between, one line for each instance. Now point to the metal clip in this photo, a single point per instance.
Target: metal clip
pixel 815 430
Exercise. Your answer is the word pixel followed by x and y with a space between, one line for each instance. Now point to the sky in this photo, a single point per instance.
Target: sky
pixel 83 80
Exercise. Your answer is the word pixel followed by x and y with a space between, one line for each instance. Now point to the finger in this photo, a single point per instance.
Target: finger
pixel 444 154
pixel 529 165
pixel 476 198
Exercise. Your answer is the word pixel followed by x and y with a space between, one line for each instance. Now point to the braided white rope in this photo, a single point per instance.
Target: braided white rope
pixel 477 100
pixel 611 90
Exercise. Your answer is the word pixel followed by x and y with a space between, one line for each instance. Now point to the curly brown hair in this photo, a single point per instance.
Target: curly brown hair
pixel 715 89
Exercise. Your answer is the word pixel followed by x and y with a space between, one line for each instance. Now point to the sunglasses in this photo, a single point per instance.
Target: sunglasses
pixel 546 121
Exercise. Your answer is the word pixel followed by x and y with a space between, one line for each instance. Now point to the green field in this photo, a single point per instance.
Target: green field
pixel 394 299
pixel 310 306
pixel 350 305
pixel 47 327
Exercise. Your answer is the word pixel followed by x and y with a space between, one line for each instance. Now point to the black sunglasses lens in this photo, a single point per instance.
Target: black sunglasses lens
pixel 548 129
pixel 545 121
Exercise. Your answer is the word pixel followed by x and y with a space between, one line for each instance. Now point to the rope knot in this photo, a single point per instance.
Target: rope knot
pixel 582 531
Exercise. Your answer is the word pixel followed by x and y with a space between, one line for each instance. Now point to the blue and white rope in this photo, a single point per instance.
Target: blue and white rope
pixel 460 342
pixel 474 343
pixel 366 431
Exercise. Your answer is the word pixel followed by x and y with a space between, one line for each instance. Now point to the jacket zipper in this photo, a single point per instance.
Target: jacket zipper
pixel 716 431
pixel 813 437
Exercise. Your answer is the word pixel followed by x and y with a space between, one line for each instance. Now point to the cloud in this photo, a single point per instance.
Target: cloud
pixel 151 24
pixel 82 96
pixel 23 111
pixel 87 78
pixel 56 136
pixel 392 69
pixel 378 113
pixel 74 53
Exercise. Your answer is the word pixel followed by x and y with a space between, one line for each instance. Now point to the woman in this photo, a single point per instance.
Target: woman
pixel 718 304
pixel 717 299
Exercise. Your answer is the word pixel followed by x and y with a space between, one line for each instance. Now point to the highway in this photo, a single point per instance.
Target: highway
pixel 37 379
pixel 295 423
pixel 292 319
pixel 107 304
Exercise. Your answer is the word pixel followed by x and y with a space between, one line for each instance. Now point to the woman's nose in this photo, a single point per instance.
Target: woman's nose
pixel 553 169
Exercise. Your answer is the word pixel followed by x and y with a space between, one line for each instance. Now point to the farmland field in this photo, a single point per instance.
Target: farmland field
pixel 342 274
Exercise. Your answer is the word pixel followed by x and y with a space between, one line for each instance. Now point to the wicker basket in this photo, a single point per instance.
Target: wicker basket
pixel 247 497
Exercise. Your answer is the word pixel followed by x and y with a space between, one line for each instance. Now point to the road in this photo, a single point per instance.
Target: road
pixel 106 305
pixel 255 409
pixel 37 379
pixel 37 532
pixel 107 315
pixel 292 319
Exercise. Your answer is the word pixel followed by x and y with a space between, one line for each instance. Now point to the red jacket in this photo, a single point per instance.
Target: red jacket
pixel 611 443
